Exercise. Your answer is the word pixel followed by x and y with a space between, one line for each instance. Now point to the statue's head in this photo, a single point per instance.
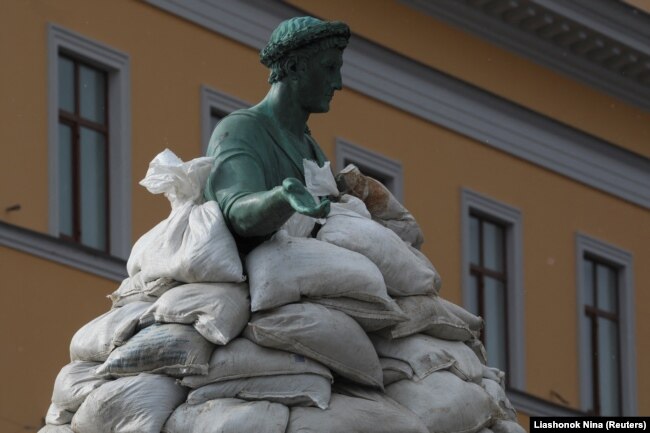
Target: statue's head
pixel 309 53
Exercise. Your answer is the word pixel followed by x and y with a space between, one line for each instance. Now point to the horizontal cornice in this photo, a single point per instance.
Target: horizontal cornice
pixel 603 43
pixel 436 97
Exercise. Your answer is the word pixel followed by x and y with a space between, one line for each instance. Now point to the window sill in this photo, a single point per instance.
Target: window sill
pixel 535 406
pixel 60 251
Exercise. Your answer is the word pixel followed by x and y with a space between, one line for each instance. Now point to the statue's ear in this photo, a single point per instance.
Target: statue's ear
pixel 292 67
pixel 300 66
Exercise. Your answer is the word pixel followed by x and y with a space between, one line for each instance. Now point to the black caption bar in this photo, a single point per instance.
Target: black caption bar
pixel 551 424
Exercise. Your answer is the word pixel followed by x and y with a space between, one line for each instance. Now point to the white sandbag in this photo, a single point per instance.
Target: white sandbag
pixel 193 244
pixel 478 349
pixel 73 384
pixel 475 323
pixel 135 289
pixel 355 415
pixel 370 316
pixel 49 428
pixel 428 315
pixel 395 370
pixel 404 273
pixel 427 354
pixel 218 311
pixel 288 389
pixel 327 336
pixel 445 403
pixel 242 359
pixel 383 206
pixel 229 415
pixel 284 269
pixel 128 405
pixel 437 281
pixel 172 349
pixel 97 339
pixel 354 204
pixel 299 225
pixel 407 228
pixel 57 415
pixel 499 397
pixel 494 374
pixel 506 426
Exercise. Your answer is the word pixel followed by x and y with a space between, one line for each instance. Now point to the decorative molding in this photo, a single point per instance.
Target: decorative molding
pixel 513 220
pixel 375 163
pixel 623 261
pixel 444 100
pixel 116 63
pixel 214 99
pixel 535 406
pixel 602 43
pixel 59 251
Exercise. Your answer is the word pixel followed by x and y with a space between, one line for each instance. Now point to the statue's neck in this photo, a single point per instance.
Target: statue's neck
pixel 282 105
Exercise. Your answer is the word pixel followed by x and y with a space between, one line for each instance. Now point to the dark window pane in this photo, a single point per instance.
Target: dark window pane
pixel 93 189
pixel 589 365
pixel 588 288
pixel 473 295
pixel 92 98
pixel 474 256
pixel 66 193
pixel 606 288
pixel 608 363
pixel 492 246
pixel 214 119
pixel 495 323
pixel 66 84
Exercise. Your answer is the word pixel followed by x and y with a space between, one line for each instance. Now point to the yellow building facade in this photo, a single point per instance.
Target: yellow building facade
pixel 518 128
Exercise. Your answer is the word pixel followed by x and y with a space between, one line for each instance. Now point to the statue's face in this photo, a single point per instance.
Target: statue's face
pixel 319 78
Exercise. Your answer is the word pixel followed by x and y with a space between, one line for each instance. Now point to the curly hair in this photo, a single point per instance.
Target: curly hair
pixel 281 67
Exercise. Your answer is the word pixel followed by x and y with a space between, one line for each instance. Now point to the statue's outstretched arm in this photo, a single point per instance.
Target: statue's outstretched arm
pixel 262 213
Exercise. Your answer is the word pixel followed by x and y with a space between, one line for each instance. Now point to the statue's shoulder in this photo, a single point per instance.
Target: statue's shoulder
pixel 243 119
pixel 239 129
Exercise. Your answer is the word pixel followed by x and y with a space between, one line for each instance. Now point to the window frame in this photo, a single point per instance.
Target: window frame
pixel 214 100
pixel 481 272
pixel 117 66
pixel 512 221
pixel 622 261
pixel 388 168
pixel 75 121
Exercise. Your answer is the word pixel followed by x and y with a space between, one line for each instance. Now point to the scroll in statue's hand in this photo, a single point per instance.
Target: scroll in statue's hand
pixel 302 201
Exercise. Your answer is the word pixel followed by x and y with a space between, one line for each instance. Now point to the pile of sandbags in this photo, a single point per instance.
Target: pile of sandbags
pixel 345 332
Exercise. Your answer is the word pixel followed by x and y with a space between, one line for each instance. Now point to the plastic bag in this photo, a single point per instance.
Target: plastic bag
pixel 193 244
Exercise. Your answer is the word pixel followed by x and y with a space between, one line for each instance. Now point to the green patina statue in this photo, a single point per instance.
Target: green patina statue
pixel 258 177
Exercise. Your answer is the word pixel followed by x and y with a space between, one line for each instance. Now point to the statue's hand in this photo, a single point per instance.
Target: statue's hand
pixel 302 201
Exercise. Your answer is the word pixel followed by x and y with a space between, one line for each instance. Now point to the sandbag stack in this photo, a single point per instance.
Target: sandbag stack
pixel 342 332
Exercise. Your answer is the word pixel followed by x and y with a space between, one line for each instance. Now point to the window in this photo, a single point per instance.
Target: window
pixel 215 118
pixel 89 134
pixel 83 153
pixel 600 293
pixel 493 279
pixel 375 165
pixel 605 317
pixel 489 285
pixel 215 106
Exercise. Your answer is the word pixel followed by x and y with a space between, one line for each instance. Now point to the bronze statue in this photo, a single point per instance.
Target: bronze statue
pixel 258 177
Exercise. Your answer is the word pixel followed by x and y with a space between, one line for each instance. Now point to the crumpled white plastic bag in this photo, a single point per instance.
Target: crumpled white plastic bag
pixel 181 182
pixel 193 244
